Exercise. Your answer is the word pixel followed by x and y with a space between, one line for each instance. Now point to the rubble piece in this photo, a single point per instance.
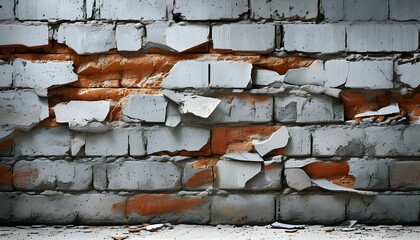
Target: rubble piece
pixel 176 139
pixel 314 74
pixel 210 9
pixel 154 227
pixel 408 73
pixel 81 112
pixel 189 103
pixel 277 140
pixel 235 174
pixel 347 224
pixel 244 156
pixel 229 74
pixel 77 143
pixel 393 108
pixel 324 38
pixel 26 35
pixel 244 37
pixel 133 229
pixel 129 37
pixel 325 184
pixel 131 10
pixel 176 37
pixel 49 10
pixel 21 109
pixel 286 226
pixel 297 178
pixel 382 37
pixel 80 37
pixel 120 237
pixel 6 74
pixel 264 77
pixel 187 74
pixel 145 108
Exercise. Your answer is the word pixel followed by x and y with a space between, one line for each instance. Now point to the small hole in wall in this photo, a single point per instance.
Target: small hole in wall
pixel 177 18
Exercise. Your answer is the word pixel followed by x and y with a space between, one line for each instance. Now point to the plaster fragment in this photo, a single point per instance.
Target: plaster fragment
pixel 244 156
pixel 81 112
pixel 297 178
pixel 277 140
pixel 189 103
pixel 314 74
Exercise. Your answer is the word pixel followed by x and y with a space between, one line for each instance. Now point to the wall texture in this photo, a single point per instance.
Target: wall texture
pixel 209 111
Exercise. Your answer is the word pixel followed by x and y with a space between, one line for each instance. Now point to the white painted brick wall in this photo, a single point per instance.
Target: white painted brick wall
pixel 382 37
pixel 244 37
pixel 132 9
pixel 324 38
pixel 370 174
pixel 111 143
pixel 355 10
pixel 210 9
pixel 80 37
pixel 7 9
pixel 50 9
pixel 24 34
pixel 284 9
pixel 403 10
pixel 44 141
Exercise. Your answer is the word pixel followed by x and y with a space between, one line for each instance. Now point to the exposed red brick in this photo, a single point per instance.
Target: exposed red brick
pixel 272 166
pixel 6 144
pixel 203 163
pixel 200 178
pixel 239 139
pixel 157 204
pixel 6 176
pixel 19 178
pixel 336 172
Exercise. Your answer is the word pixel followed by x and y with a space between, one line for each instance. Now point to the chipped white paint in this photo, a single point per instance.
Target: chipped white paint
pixel 408 73
pixel 294 163
pixel 50 9
pixel 136 142
pixel 77 143
pixel 81 112
pixel 229 74
pixel 244 156
pixel 235 174
pixel 129 37
pixel 24 34
pixel 145 108
pixel 173 116
pixel 176 37
pixel 277 140
pixel 265 77
pixel 80 36
pixel 176 139
pixel 387 110
pixel 187 74
pixel 314 74
pixel 297 178
pixel 210 9
pixel 244 37
pixel 90 127
pixel 190 103
pixel 42 75
pixel 327 185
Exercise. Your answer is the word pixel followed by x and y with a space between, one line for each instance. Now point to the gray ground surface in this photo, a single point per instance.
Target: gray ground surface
pixel 186 232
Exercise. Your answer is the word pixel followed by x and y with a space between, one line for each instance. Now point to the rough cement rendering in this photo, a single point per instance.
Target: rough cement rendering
pixel 209 112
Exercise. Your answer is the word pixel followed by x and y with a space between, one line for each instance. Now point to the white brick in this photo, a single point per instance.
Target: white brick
pixel 50 9
pixel 325 38
pixel 44 141
pixel 132 9
pixel 384 209
pixel 242 209
pixel 382 37
pixel 6 75
pixel 210 9
pixel 129 37
pixel 265 77
pixel 22 109
pixel 312 75
pixel 39 74
pixel 238 109
pixel 227 74
pixel 81 36
pixel 26 35
pixel 50 175
pixel 299 142
pixel 111 143
pixel 176 139
pixel 187 74
pixel 244 37
pixel 268 179
pixel 140 175
pixel 284 9
pixel 145 108
pixel 372 74
pixel 232 174
pixel 338 141
pixel 99 208
pixel 7 200
pixel 176 37
pixel 136 142
pixel 311 209
pixel 404 175
pixel 81 112
pixel 407 73
pixel 355 9
pixel 370 174
pixel 313 109
pixel 403 10
pixel 7 9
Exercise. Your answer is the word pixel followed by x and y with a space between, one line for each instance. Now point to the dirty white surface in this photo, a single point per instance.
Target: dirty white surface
pixel 186 232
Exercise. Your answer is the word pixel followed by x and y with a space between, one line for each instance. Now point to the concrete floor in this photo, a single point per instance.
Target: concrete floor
pixel 208 232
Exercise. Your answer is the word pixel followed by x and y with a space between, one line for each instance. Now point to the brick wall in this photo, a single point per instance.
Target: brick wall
pixel 209 112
